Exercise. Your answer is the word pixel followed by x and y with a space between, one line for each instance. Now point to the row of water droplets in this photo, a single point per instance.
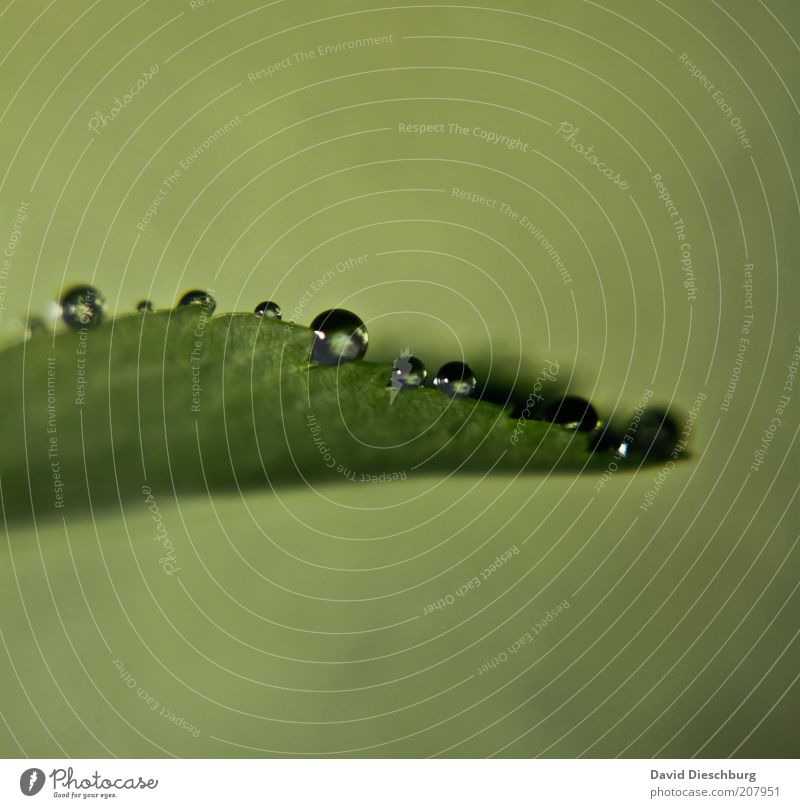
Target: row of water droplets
pixel 341 336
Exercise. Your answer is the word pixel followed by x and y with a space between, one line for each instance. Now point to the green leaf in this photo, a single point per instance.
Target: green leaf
pixel 179 399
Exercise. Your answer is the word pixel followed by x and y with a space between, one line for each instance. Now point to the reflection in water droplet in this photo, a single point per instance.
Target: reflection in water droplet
pixel 339 336
pixel 82 307
pixel 268 309
pixel 197 297
pixel 144 305
pixel 572 412
pixel 456 380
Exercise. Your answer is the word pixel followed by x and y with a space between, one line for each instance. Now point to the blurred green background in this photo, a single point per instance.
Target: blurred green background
pixel 300 622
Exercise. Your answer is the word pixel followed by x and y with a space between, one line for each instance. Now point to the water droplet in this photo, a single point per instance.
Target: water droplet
pixel 33 326
pixel 268 309
pixel 409 373
pixel 456 380
pixel 572 412
pixel 197 297
pixel 82 307
pixel 657 433
pixel 144 305
pixel 609 439
pixel 339 336
pixel 654 434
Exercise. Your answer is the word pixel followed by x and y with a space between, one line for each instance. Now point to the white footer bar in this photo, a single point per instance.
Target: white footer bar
pixel 402 783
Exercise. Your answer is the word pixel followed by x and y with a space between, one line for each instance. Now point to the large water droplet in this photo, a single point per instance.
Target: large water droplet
pixel 572 412
pixel 197 297
pixel 456 380
pixel 144 305
pixel 339 336
pixel 82 307
pixel 268 309
pixel 409 373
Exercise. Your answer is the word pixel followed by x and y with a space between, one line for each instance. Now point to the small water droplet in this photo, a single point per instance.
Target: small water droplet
pixel 572 412
pixel 409 373
pixel 82 307
pixel 455 379
pixel 33 326
pixel 197 297
pixel 339 336
pixel 144 305
pixel 268 309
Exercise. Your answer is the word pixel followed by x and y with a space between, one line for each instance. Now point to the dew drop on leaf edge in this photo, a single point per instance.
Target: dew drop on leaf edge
pixel 82 307
pixel 339 336
pixel 572 412
pixel 33 326
pixel 455 380
pixel 268 309
pixel 408 373
pixel 198 297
